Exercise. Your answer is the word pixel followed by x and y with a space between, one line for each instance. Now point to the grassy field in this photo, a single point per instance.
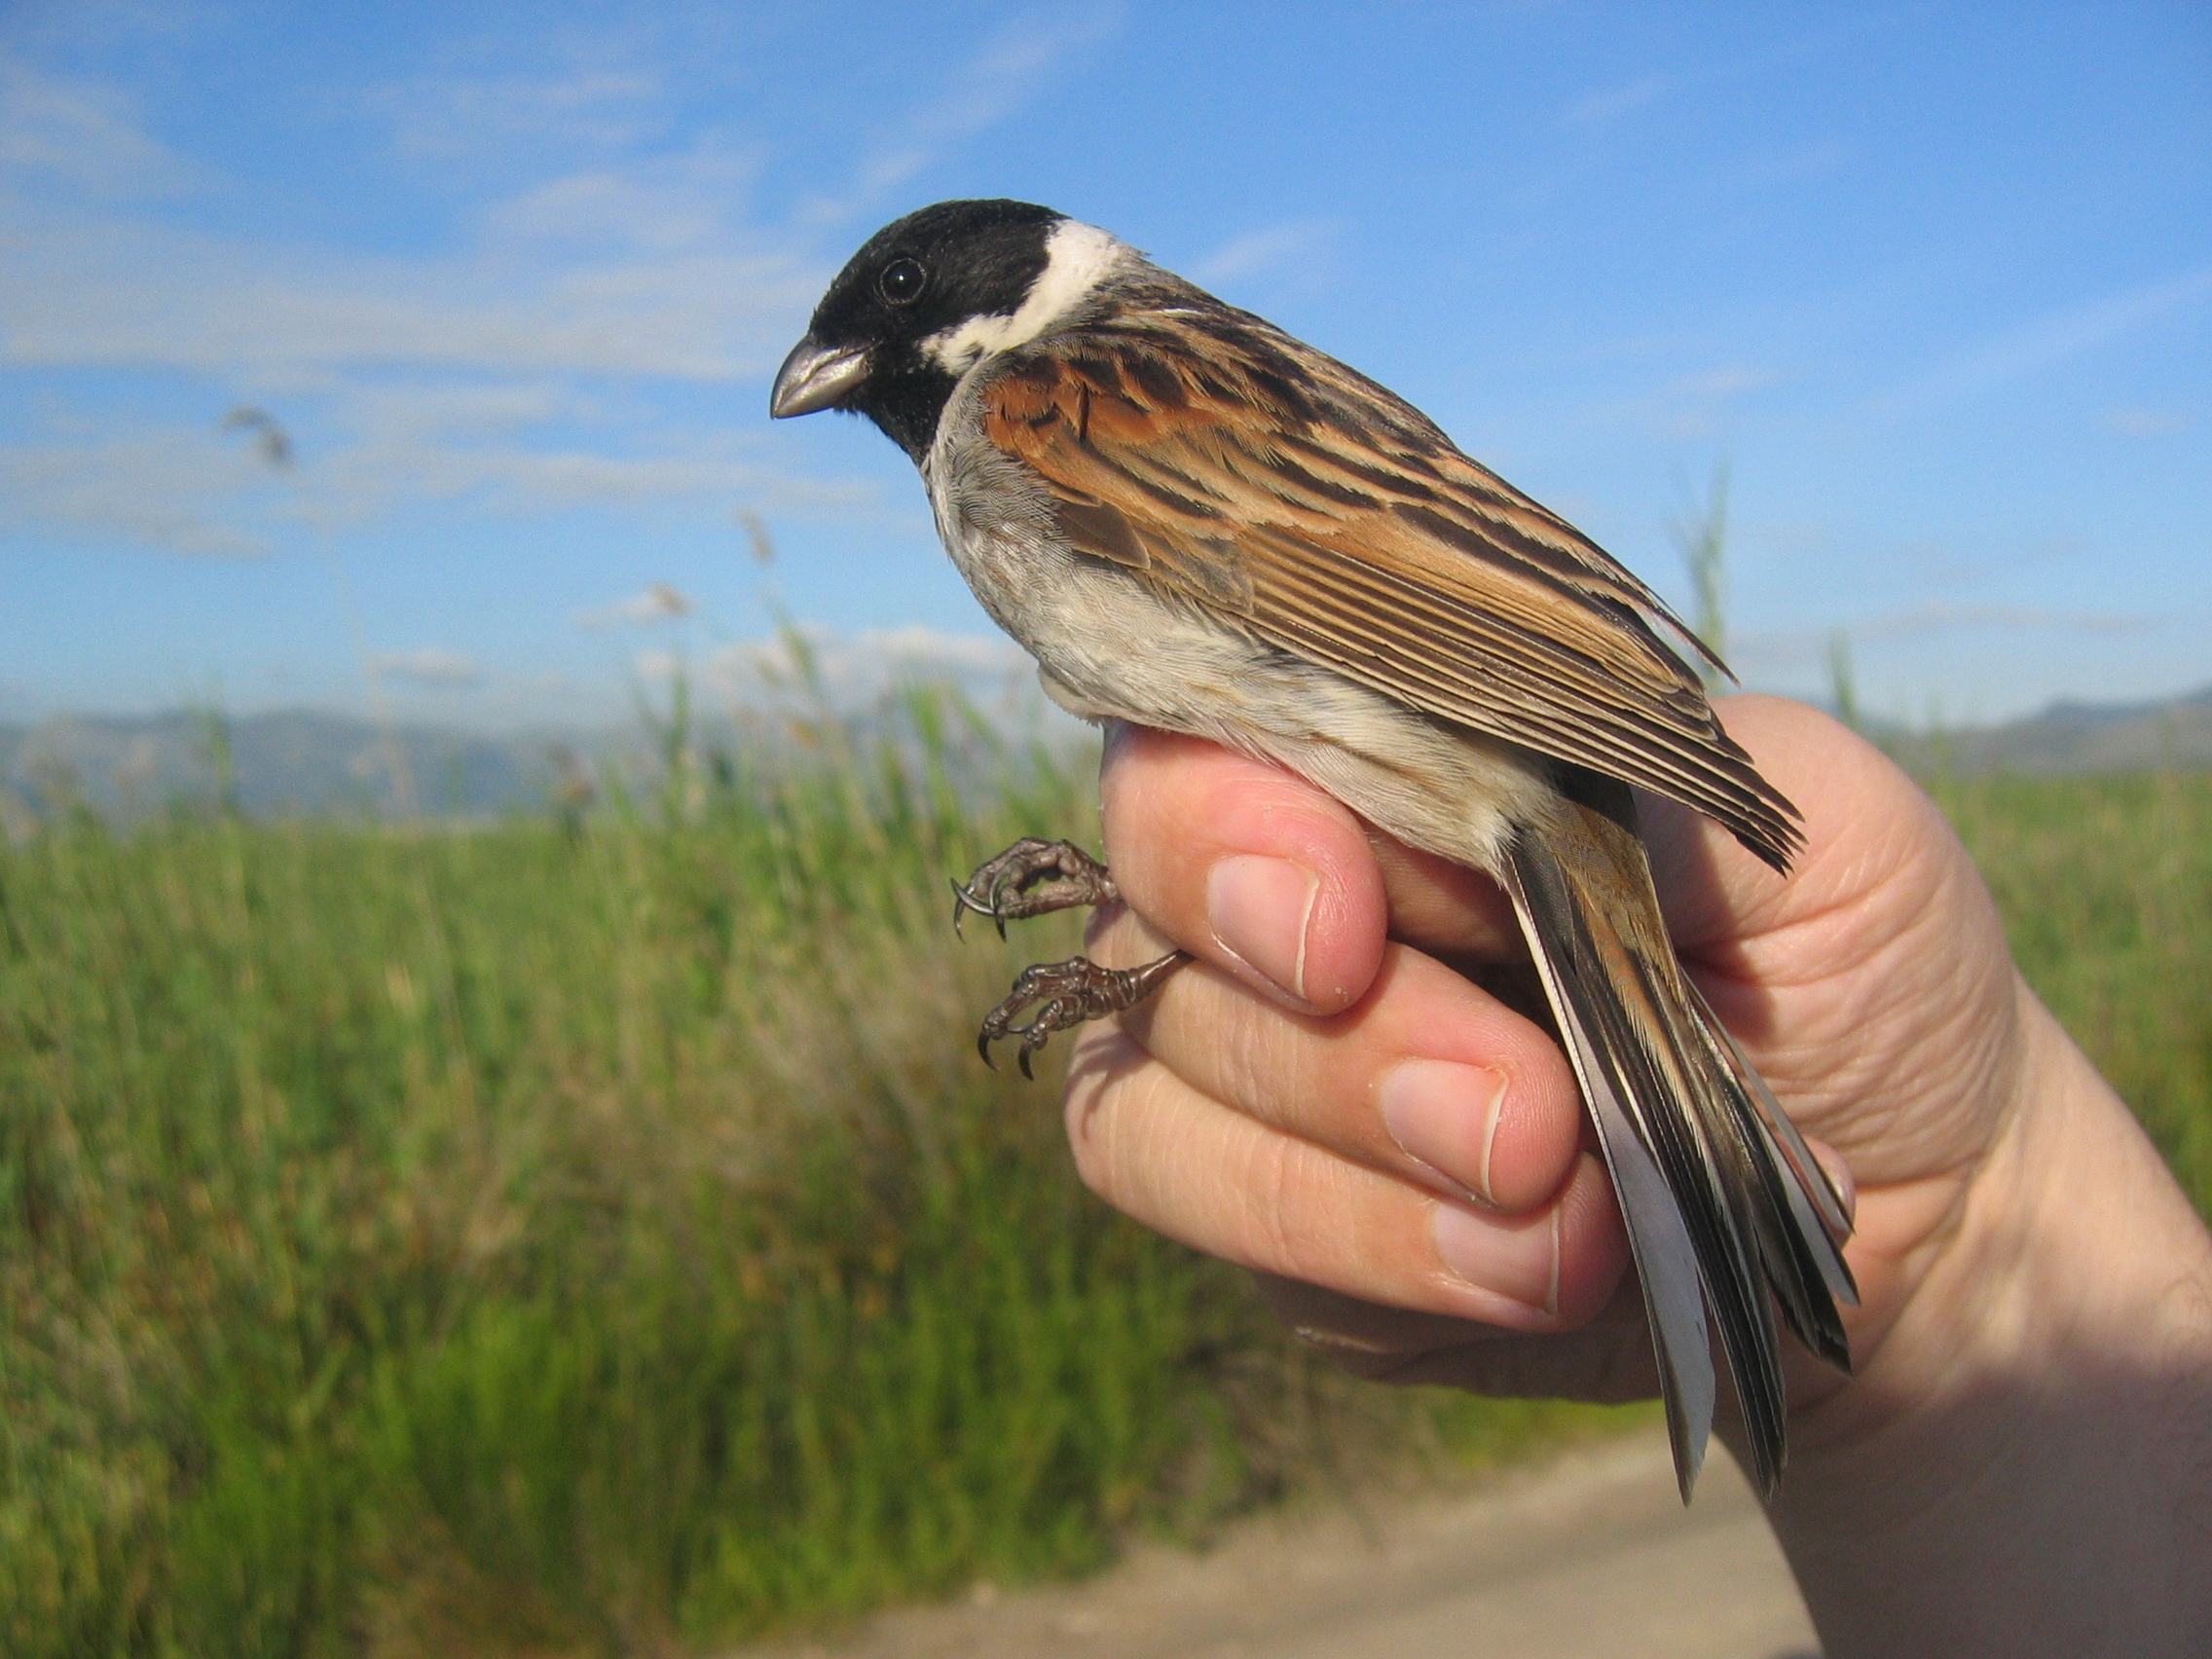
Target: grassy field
pixel 2106 886
pixel 598 1237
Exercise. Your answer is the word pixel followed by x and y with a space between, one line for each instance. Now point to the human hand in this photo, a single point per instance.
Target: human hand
pixel 1400 1155
pixel 1345 1142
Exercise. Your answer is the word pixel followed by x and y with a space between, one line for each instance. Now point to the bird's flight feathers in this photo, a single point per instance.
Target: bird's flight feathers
pixel 1236 469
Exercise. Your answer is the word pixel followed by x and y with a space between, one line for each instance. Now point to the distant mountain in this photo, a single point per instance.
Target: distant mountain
pixel 299 764
pixel 2068 737
pixel 290 763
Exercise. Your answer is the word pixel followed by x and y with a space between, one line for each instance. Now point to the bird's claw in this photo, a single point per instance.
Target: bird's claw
pixel 1033 877
pixel 1066 994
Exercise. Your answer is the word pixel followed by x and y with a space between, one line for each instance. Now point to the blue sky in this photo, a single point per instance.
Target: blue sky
pixel 1935 281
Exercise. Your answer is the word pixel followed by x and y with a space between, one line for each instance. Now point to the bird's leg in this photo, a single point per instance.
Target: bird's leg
pixel 1066 994
pixel 1034 877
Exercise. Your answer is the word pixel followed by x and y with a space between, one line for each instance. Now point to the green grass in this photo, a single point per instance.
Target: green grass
pixel 2105 887
pixel 601 1238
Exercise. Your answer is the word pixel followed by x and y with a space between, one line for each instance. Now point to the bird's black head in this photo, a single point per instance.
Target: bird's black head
pixel 922 301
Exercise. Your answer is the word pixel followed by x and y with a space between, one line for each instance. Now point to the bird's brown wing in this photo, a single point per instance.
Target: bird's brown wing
pixel 1239 470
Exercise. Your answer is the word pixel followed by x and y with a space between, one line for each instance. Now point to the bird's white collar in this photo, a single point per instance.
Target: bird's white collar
pixel 1076 259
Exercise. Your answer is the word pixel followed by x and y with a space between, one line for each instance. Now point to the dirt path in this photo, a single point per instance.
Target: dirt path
pixel 1590 1556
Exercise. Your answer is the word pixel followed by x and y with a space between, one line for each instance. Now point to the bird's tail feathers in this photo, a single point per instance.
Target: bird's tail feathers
pixel 1716 1187
pixel 1665 1258
pixel 1797 1188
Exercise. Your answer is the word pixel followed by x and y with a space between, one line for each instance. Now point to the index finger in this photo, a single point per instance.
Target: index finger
pixel 1259 871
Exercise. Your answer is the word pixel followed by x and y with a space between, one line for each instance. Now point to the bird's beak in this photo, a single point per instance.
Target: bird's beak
pixel 815 377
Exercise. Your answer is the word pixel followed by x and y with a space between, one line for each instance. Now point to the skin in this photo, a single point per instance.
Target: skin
pixel 2024 1464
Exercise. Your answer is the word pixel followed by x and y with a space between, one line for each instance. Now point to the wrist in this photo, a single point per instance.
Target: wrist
pixel 2025 1463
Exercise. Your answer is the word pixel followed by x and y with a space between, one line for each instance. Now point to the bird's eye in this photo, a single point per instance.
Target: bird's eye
pixel 901 282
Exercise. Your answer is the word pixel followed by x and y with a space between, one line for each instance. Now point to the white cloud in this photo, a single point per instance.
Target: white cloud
pixel 170 488
pixel 2144 422
pixel 1010 72
pixel 1696 405
pixel 537 361
pixel 969 653
pixel 1939 616
pixel 1718 384
pixel 416 411
pixel 1813 161
pixel 139 295
pixel 363 480
pixel 656 602
pixel 83 136
pixel 2056 338
pixel 447 116
pixel 668 284
pixel 656 665
pixel 1597 108
pixel 191 490
pixel 430 667
pixel 851 668
pixel 1303 242
pixel 1605 104
pixel 664 206
pixel 1768 648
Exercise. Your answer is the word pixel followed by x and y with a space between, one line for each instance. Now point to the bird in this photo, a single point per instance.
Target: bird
pixel 1194 521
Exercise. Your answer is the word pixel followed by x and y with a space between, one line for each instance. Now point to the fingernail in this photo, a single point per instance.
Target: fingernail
pixel 1259 910
pixel 1839 1174
pixel 1446 1115
pixel 1514 1260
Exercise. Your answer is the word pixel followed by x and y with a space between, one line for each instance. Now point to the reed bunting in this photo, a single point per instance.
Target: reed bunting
pixel 1196 522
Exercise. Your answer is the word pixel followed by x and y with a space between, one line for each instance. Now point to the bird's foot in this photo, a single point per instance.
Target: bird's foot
pixel 1033 877
pixel 1065 994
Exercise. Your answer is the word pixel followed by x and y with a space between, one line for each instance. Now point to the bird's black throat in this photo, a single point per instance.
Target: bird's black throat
pixel 905 400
